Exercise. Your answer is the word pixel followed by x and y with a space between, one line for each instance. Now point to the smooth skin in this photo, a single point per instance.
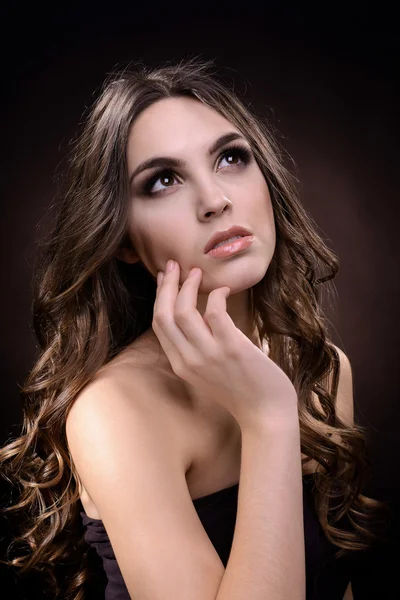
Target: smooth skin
pixel 217 358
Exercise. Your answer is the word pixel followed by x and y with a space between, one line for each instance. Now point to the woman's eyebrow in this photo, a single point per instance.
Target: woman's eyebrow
pixel 168 161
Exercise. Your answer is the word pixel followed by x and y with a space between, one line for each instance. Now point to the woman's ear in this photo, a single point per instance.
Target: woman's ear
pixel 127 255
pixel 126 252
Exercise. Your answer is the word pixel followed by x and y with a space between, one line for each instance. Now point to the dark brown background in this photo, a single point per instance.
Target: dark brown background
pixel 326 77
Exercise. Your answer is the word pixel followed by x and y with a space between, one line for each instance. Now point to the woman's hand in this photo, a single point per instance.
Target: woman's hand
pixel 213 355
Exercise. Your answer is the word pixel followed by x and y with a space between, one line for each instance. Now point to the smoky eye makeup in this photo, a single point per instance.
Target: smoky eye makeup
pixel 244 154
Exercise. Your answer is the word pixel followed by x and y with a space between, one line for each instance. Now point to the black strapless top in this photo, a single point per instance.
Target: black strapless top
pixel 327 577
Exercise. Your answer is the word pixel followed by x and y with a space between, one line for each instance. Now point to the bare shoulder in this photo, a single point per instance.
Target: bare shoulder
pixel 126 447
pixel 127 390
pixel 130 389
pixel 137 376
pixel 345 396
pixel 344 402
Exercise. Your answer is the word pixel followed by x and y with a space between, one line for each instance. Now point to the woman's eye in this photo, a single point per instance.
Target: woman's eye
pixel 241 156
pixel 150 188
pixel 235 154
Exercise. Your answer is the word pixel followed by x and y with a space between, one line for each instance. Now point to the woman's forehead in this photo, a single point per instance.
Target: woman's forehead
pixel 175 125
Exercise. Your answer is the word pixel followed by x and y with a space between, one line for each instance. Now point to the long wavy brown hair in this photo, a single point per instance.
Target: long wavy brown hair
pixel 88 306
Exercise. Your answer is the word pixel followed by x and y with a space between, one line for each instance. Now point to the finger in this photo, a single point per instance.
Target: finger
pixel 187 332
pixel 214 327
pixel 172 338
pixel 219 321
pixel 188 317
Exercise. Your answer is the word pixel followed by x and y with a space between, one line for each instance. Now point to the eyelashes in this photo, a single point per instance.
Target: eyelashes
pixel 237 151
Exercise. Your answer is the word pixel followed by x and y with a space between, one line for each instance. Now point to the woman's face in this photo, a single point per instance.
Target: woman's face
pixel 173 214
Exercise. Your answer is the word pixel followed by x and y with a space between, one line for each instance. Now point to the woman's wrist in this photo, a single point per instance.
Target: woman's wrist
pixel 280 419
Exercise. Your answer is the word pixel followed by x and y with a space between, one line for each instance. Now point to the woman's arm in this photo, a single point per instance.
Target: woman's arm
pixel 267 560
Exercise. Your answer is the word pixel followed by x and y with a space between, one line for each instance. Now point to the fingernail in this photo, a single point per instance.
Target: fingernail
pixel 170 265
pixel 194 272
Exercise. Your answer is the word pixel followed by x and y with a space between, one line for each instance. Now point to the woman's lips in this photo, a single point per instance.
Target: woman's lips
pixel 230 248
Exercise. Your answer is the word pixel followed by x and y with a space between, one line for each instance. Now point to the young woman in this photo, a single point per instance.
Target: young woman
pixel 188 416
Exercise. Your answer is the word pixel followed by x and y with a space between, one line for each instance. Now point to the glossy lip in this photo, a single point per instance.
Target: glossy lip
pixel 232 248
pixel 220 236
